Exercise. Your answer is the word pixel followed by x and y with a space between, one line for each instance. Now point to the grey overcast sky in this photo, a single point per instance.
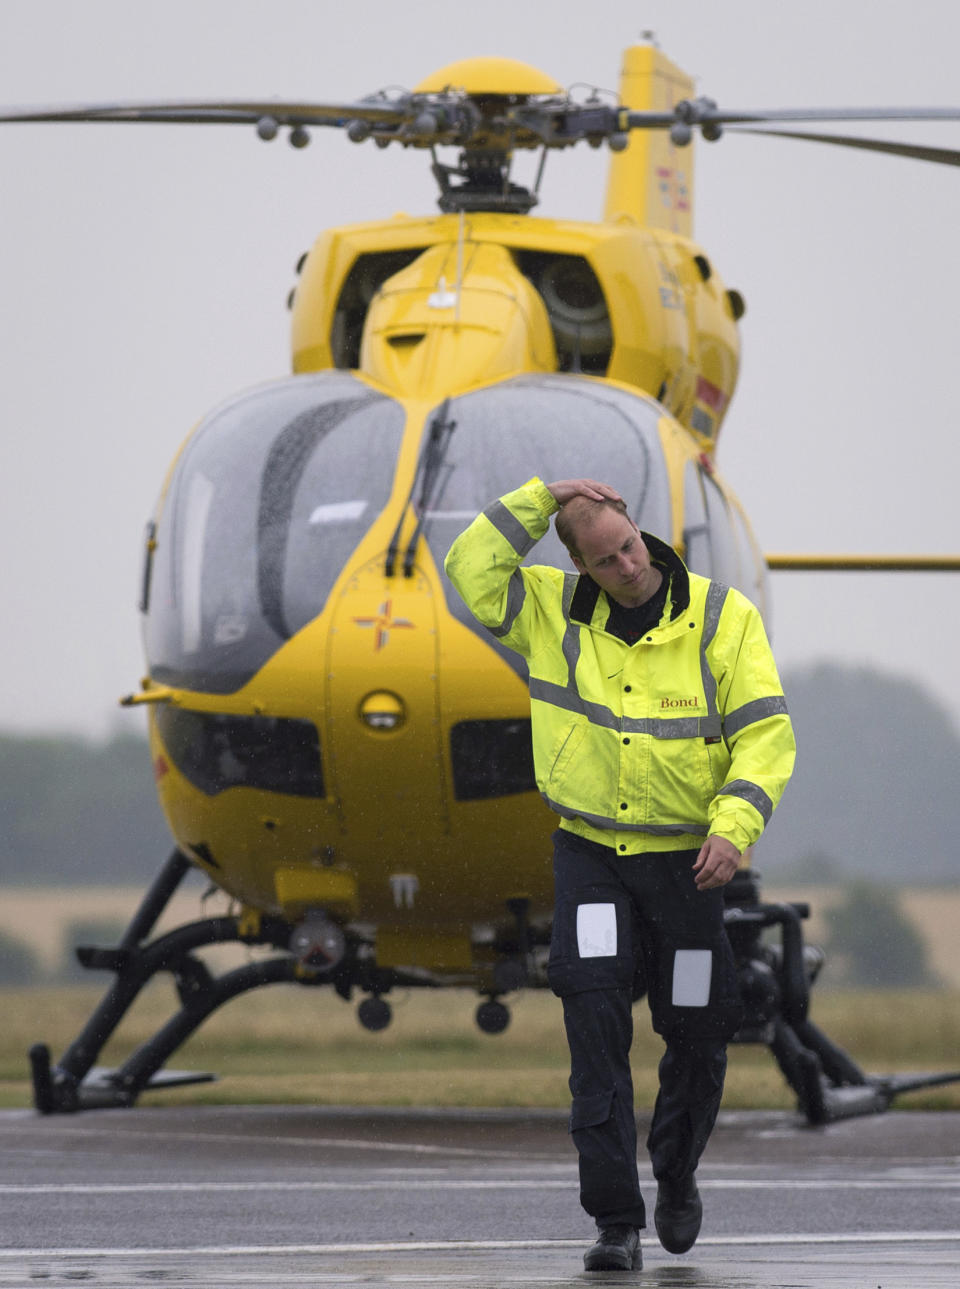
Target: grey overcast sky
pixel 144 272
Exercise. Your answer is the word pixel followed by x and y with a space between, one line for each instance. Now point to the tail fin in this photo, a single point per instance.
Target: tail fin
pixel 652 180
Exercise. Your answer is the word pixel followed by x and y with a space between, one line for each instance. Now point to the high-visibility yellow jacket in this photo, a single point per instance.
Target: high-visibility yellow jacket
pixel 643 747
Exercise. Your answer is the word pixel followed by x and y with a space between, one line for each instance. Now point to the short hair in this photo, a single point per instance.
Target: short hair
pixel 579 513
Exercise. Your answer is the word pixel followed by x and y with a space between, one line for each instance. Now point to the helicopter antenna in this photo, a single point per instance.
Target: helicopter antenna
pixel 540 169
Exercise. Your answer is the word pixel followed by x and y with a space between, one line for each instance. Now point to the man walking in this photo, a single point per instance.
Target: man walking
pixel 661 738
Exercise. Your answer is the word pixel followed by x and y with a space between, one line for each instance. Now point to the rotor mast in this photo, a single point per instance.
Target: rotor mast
pixel 496 88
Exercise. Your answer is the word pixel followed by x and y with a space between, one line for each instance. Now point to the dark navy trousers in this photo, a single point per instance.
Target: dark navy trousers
pixel 622 924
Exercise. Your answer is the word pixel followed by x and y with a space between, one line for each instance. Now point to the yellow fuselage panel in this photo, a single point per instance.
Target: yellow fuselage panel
pixel 388 813
pixel 385 672
pixel 461 312
pixel 390 781
pixel 463 309
pixel 398 837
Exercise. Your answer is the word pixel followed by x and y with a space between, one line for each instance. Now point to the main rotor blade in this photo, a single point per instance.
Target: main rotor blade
pixel 920 152
pixel 245 111
pixel 701 111
pixel 426 120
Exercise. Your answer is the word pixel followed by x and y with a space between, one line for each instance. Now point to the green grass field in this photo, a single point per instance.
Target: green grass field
pixel 291 1044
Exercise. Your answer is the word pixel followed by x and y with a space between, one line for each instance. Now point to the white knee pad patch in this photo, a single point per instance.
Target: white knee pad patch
pixel 692 969
pixel 597 930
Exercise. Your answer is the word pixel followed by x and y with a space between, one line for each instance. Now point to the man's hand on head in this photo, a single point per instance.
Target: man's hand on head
pixel 717 862
pixel 564 490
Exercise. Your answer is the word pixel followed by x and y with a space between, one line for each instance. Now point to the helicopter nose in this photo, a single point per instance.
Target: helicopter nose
pixel 381 680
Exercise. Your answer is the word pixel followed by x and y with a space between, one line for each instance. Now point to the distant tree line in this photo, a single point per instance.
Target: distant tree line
pixel 78 813
pixel 872 944
pixel 874 793
pixel 20 963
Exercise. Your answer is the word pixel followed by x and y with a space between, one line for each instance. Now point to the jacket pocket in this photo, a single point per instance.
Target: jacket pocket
pixel 680 786
pixel 718 762
pixel 571 972
pixel 565 753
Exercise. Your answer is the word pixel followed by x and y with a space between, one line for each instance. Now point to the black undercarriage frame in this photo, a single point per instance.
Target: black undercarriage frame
pixel 775 982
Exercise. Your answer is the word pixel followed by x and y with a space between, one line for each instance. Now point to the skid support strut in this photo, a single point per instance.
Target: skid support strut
pixel 74 1083
pixel 775 983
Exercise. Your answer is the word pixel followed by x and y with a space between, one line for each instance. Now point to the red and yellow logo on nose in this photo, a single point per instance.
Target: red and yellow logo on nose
pixel 383 624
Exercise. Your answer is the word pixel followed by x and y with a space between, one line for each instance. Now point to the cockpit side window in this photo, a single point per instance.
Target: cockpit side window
pixel 267 503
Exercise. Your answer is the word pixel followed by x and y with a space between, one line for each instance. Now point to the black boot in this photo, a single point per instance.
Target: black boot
pixel 678 1214
pixel 617 1249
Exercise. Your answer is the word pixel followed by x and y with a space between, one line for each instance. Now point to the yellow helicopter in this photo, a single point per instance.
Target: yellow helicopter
pixel 336 743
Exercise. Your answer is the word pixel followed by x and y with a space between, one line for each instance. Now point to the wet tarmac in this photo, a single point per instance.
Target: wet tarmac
pixel 283 1196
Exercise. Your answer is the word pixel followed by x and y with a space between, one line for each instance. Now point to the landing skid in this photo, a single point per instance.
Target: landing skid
pixel 76 1083
pixel 775 981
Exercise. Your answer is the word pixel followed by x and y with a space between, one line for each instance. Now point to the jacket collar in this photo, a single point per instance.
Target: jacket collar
pixel 586 594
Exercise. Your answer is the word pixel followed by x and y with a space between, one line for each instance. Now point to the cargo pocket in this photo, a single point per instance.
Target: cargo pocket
pixel 702 995
pixel 590 944
pixel 591 1111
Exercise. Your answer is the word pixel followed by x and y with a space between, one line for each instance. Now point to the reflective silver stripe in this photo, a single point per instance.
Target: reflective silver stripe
pixel 516 594
pixel 750 792
pixel 509 526
pixel 571 632
pixel 567 698
pixel 758 709
pixel 601 821
pixel 677 727
pixel 716 598
pixel 571 651
pixel 570 701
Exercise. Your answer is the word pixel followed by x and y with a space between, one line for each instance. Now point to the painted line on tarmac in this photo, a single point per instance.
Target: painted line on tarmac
pixel 469 1246
pixel 447 1184
pixel 392 1184
pixel 320 1143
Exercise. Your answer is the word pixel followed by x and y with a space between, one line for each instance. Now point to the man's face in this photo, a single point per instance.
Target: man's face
pixel 613 553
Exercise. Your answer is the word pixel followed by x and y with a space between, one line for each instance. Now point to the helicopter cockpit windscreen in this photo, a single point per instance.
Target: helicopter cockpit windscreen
pixel 557 427
pixel 268 500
